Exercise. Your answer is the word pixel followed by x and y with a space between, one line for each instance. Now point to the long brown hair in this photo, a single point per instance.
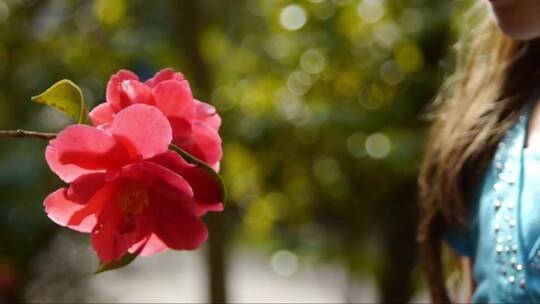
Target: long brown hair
pixel 476 106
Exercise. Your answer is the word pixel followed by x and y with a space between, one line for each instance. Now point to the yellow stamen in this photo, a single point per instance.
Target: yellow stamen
pixel 133 197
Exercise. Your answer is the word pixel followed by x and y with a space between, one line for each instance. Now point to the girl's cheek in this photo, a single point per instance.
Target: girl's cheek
pixel 518 19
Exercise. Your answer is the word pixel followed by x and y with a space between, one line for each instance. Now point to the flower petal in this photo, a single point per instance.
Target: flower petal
pixel 116 97
pixel 115 233
pixel 207 114
pixel 60 209
pixel 174 98
pixel 81 149
pixel 182 132
pixel 165 74
pixel 153 246
pixel 82 189
pixel 62 204
pixel 208 193
pixel 143 128
pixel 137 92
pixel 206 190
pixel 66 172
pixel 102 114
pixel 170 177
pixel 175 225
pixel 107 194
pixel 206 145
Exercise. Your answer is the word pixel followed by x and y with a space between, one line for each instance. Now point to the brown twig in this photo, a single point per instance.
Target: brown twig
pixel 26 134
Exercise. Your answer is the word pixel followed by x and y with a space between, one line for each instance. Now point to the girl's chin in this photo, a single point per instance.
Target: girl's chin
pixel 518 33
pixel 516 28
pixel 500 3
pixel 519 19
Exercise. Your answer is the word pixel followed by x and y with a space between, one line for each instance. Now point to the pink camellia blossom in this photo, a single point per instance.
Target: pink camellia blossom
pixel 127 189
pixel 195 124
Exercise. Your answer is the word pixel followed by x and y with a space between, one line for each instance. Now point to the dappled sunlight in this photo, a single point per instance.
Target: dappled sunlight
pixel 322 133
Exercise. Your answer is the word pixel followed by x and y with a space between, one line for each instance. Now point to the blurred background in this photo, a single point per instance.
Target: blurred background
pixel 322 104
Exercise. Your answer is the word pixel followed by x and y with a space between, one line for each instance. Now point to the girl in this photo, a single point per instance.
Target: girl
pixel 480 180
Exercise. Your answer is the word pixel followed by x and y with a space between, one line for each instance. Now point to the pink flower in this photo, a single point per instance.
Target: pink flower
pixel 195 124
pixel 127 189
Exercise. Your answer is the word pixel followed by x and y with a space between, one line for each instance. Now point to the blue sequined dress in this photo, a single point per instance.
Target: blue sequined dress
pixel 503 238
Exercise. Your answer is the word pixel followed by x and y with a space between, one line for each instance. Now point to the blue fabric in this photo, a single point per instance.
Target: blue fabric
pixel 459 240
pixel 503 237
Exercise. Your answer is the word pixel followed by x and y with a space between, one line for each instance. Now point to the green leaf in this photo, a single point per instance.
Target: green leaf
pixel 67 97
pixel 125 260
pixel 193 160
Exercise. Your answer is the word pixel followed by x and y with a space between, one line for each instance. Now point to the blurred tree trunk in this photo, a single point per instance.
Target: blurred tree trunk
pixel 399 217
pixel 189 28
pixel 216 258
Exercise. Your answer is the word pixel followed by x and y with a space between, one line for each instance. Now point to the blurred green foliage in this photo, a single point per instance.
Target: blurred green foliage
pixel 321 103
